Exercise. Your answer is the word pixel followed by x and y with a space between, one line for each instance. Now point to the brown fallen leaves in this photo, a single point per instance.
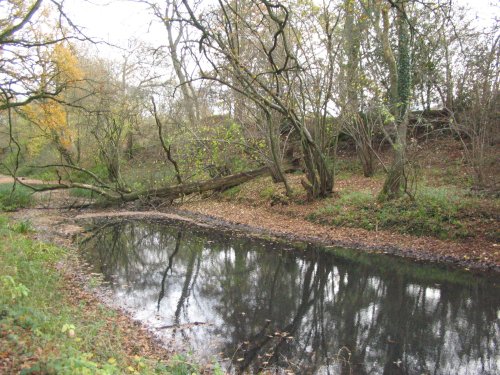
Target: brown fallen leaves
pixel 135 339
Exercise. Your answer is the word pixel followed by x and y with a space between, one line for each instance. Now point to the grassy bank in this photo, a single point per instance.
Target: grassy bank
pixel 445 213
pixel 435 212
pixel 50 326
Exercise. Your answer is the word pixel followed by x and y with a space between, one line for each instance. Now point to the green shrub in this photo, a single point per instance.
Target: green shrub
pixel 180 365
pixel 348 167
pixel 37 173
pixel 232 193
pixel 22 227
pixel 12 200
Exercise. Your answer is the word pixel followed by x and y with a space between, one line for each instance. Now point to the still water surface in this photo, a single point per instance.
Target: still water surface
pixel 259 304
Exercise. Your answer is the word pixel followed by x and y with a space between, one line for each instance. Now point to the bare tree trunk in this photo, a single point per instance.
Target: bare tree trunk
pixel 130 145
pixel 365 154
pixel 353 123
pixel 191 104
pixel 449 79
pixel 276 168
pixel 166 148
pixel 63 151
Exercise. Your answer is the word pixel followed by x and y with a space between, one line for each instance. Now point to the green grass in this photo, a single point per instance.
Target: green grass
pixel 37 173
pixel 11 200
pixel 347 168
pixel 267 192
pixel 231 193
pixel 344 169
pixel 435 212
pixel 43 329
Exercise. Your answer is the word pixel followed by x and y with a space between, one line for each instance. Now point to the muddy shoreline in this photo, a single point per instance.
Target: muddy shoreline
pixel 62 226
pixel 207 221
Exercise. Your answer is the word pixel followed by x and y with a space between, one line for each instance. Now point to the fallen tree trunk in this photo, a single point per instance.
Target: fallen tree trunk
pixel 178 191
pixel 167 192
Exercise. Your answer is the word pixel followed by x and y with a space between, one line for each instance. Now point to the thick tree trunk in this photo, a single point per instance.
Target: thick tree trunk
pixel 276 168
pixel 365 155
pixel 395 182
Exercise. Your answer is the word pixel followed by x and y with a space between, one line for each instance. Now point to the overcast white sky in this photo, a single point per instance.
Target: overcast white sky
pixel 113 21
pixel 117 21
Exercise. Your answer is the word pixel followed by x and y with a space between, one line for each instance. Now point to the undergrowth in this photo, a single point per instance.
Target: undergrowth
pixel 43 329
pixel 11 200
pixel 434 211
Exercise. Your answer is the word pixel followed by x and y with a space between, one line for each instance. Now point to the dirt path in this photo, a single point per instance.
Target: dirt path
pixel 8 180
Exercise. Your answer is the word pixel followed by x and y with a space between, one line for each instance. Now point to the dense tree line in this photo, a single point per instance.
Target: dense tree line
pixel 237 85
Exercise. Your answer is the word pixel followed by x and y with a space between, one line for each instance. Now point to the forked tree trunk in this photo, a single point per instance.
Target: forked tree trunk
pixel 276 168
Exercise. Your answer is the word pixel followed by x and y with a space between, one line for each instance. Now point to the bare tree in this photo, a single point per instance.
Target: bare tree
pixel 476 116
pixel 168 14
pixel 278 84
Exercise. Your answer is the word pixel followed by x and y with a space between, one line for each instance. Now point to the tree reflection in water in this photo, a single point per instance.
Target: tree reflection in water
pixel 269 306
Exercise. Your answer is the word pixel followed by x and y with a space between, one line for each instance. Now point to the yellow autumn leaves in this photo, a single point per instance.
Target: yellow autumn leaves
pixel 50 118
pixel 66 63
pixel 49 115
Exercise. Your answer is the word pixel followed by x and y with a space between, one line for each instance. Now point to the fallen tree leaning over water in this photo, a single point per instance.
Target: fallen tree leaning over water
pixel 180 190
pixel 171 192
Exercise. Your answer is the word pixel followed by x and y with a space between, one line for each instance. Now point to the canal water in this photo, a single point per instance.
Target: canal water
pixel 255 305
